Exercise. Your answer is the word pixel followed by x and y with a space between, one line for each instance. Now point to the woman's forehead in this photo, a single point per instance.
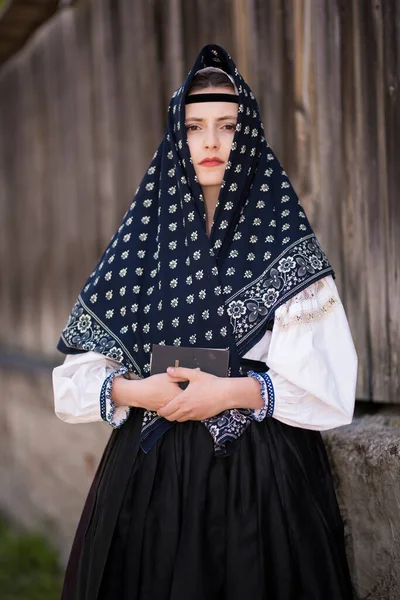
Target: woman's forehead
pixel 211 111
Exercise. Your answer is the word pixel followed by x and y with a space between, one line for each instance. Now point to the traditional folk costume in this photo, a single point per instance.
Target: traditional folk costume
pixel 240 505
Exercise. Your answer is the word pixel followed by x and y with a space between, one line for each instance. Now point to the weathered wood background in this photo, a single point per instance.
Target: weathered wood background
pixel 83 106
pixel 18 19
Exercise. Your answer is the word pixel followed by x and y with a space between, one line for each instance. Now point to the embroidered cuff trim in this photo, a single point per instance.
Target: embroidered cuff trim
pixel 267 394
pixel 106 399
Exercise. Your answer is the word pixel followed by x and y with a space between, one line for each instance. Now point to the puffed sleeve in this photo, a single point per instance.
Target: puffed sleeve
pixel 311 358
pixel 80 383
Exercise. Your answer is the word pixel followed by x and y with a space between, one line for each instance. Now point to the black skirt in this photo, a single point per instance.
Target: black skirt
pixel 180 524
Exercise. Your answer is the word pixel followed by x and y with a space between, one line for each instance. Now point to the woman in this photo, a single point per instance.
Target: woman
pixel 222 489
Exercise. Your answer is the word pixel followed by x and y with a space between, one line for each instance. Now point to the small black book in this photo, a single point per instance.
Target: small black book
pixel 210 360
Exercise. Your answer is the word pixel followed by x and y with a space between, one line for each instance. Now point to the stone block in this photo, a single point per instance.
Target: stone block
pixel 365 461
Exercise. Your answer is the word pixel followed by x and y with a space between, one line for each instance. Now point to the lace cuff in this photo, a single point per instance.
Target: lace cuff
pixel 267 394
pixel 113 415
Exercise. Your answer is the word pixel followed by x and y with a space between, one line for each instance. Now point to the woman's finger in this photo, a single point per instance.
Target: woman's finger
pixel 183 372
pixel 176 379
pixel 171 407
pixel 182 418
pixel 175 416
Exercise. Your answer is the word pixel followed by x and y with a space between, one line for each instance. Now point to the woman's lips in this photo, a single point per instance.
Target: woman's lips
pixel 211 162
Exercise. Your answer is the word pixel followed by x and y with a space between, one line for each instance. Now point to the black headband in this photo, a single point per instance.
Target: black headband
pixel 193 98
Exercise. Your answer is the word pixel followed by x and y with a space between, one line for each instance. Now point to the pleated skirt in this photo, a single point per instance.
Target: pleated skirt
pixel 179 523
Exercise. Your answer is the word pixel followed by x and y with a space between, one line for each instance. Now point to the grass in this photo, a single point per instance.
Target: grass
pixel 29 567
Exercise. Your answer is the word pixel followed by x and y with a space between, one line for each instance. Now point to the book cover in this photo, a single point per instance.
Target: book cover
pixel 210 360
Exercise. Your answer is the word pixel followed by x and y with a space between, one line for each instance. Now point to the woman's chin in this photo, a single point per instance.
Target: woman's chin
pixel 210 181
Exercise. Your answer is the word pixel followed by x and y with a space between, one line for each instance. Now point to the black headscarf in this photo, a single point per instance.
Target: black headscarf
pixel 162 280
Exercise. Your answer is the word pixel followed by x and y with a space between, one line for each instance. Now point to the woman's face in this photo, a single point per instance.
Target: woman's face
pixel 210 129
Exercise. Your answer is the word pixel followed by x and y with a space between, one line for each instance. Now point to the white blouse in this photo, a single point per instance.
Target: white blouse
pixel 310 353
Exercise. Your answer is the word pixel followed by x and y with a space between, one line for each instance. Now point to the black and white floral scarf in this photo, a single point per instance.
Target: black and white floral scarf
pixel 162 280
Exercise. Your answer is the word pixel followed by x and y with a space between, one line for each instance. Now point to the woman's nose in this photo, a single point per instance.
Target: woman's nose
pixel 211 139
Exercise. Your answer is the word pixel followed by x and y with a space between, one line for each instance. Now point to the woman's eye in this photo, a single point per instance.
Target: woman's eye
pixel 191 127
pixel 230 127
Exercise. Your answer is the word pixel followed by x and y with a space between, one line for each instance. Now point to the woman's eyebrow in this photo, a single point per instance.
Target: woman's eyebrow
pixel 200 120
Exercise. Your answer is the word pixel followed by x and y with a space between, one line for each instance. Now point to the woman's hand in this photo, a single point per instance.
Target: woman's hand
pixel 151 393
pixel 204 397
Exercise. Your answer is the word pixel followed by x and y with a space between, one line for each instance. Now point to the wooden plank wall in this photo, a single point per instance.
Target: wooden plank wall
pixel 83 106
pixel 18 19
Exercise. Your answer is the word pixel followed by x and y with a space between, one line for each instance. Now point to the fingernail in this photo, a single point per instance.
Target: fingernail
pixel 170 369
